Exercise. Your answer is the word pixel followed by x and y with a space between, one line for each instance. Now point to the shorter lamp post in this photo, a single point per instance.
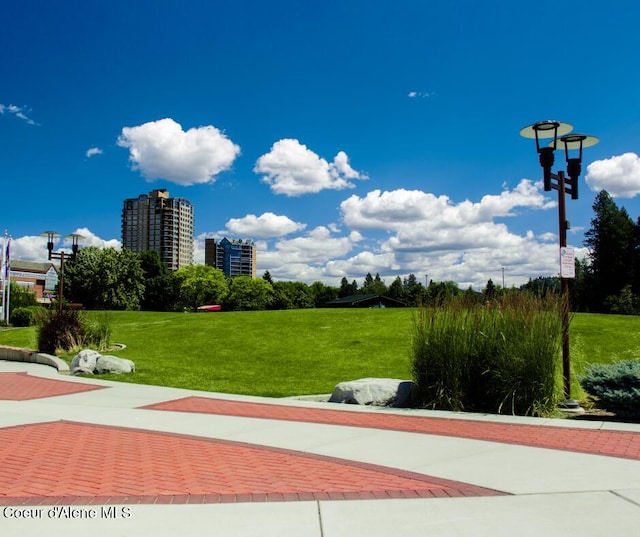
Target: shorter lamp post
pixel 573 145
pixel 61 255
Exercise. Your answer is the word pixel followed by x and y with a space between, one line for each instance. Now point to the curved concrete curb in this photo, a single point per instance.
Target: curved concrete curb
pixel 16 354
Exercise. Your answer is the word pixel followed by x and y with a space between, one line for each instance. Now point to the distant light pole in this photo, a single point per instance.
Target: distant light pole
pixel 573 145
pixel 61 256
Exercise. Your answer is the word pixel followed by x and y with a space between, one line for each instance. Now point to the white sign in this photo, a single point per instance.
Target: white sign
pixel 567 262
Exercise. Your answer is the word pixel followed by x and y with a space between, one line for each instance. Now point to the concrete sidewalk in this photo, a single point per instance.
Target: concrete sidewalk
pixel 81 455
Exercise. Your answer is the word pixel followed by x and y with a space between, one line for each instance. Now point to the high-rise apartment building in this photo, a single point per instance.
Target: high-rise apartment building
pixel 233 257
pixel 158 222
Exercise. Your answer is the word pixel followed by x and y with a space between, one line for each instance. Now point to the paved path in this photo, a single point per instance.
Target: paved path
pixel 83 455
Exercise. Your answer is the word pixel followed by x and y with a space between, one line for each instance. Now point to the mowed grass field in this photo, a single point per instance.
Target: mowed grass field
pixel 298 352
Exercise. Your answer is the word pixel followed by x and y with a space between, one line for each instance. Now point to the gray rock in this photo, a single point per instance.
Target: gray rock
pixel 373 391
pixel 90 362
pixel 113 364
pixel 84 361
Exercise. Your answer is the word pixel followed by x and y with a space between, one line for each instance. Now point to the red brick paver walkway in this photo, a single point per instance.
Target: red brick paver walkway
pixel 89 464
pixel 599 442
pixel 22 387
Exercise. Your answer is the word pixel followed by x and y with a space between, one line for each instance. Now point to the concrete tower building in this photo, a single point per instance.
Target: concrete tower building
pixel 158 222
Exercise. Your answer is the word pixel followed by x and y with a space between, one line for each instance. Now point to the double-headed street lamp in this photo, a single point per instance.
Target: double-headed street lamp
pixel 61 256
pixel 572 145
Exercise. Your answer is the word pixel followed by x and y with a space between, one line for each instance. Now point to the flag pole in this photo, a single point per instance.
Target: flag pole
pixel 8 280
pixel 2 269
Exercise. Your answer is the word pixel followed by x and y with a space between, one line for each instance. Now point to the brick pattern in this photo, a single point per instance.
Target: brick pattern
pixel 93 464
pixel 598 442
pixel 22 387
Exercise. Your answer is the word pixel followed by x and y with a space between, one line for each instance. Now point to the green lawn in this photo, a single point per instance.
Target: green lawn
pixel 296 352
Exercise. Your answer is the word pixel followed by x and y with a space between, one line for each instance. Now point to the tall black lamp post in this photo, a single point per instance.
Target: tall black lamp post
pixel 62 255
pixel 565 184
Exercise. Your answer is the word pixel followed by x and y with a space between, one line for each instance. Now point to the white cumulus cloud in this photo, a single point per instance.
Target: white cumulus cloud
pixel 292 169
pixel 619 175
pixel 404 209
pixel 162 150
pixel 264 226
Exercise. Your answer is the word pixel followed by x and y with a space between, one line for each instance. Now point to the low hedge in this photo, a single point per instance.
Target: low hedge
pixel 25 316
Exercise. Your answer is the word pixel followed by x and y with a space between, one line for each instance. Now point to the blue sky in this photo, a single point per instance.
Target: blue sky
pixel 344 137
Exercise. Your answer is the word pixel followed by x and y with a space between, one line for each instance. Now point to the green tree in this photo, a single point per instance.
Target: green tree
pixel 267 277
pixel 542 286
pixel 122 280
pixel 396 290
pixel 490 290
pixel 374 286
pixel 248 294
pixel 291 295
pixel 162 289
pixel 635 260
pixel 612 247
pixel 105 279
pixel 200 285
pixel 81 277
pixel 580 287
pixel 323 293
pixel 410 281
pixel 347 289
pixel 21 297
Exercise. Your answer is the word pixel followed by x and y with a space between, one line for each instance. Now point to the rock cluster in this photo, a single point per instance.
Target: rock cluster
pixel 92 362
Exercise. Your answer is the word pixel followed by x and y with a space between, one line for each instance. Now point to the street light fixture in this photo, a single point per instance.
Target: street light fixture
pixel 573 145
pixel 61 255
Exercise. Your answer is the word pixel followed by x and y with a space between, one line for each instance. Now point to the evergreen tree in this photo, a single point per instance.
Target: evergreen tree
pixel 612 248
pixel 490 290
pixel 396 290
pixel 374 286
pixel 346 288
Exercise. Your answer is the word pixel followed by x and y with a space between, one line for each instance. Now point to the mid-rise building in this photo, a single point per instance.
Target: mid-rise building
pixel 233 257
pixel 160 223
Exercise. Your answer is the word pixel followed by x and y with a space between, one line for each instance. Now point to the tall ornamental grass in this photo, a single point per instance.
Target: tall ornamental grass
pixel 500 357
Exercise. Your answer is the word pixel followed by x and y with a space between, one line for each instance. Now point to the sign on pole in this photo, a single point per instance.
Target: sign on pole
pixel 567 262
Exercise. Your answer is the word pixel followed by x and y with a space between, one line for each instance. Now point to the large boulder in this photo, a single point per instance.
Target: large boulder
pixel 89 361
pixel 84 362
pixel 113 364
pixel 374 391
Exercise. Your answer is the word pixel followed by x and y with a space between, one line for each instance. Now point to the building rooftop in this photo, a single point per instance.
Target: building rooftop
pixel 32 266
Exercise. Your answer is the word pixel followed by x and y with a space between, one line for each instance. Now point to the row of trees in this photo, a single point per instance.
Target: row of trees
pixel 607 281
pixel 124 280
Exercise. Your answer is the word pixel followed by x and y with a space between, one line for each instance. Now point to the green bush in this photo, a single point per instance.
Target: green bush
pixel 614 387
pixel 25 316
pixel 501 357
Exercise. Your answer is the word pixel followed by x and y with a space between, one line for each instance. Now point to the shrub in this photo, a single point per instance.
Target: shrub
pixel 60 330
pixel 98 331
pixel 71 329
pixel 614 387
pixel 500 357
pixel 25 316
